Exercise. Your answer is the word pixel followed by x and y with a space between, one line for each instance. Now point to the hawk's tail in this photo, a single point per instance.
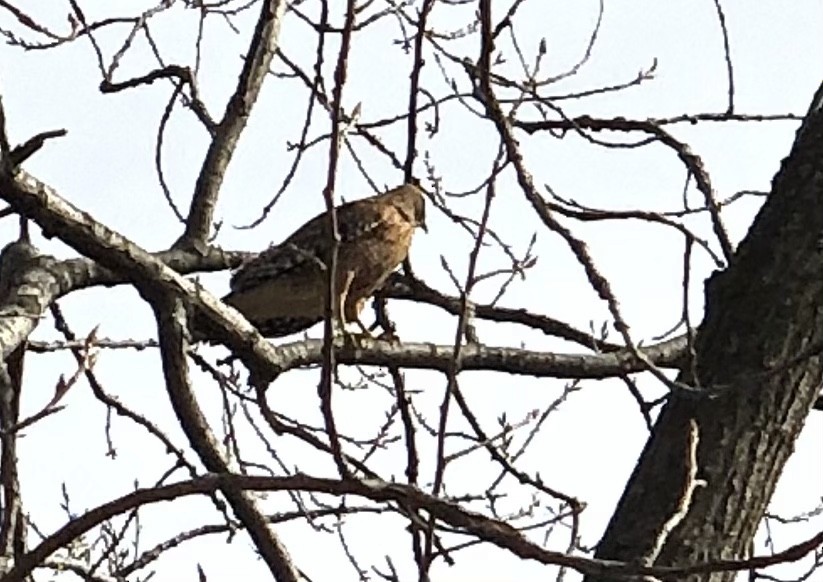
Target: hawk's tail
pixel 202 328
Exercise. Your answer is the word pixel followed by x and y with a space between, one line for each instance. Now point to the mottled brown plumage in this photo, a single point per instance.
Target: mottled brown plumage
pixel 282 290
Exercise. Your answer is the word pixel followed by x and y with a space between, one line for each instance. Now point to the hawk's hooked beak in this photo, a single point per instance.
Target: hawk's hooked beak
pixel 423 226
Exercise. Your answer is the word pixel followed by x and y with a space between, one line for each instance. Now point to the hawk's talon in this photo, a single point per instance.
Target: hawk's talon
pixel 349 338
pixel 364 331
pixel 352 339
pixel 388 335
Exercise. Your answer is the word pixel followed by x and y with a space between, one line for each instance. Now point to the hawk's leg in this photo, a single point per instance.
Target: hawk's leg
pixel 342 295
pixel 349 306
pixel 353 310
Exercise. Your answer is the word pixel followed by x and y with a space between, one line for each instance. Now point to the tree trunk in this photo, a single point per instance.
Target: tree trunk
pixel 759 349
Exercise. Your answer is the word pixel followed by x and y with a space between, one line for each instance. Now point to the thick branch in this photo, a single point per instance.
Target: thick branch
pixel 479 357
pixel 14 260
pixel 171 323
pixel 761 343
pixel 115 252
pixel 44 279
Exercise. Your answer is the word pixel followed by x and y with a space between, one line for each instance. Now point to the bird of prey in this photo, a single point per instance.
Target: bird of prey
pixel 283 290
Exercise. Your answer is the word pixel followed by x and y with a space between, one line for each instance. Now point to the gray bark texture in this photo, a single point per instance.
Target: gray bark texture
pixel 759 350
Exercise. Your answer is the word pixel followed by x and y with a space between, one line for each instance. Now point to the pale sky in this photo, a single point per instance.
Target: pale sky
pixel 105 165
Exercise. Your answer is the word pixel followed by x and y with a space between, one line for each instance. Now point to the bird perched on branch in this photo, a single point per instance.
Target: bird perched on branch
pixel 283 290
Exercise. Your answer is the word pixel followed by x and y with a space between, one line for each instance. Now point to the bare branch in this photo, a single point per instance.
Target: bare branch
pixel 489 530
pixel 479 357
pixel 221 150
pixel 171 326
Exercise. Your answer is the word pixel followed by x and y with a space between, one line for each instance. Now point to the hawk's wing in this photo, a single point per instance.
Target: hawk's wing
pixel 307 249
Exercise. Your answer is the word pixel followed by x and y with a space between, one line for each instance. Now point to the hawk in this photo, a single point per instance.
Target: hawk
pixel 283 290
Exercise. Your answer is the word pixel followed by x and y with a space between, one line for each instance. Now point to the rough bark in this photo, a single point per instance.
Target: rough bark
pixel 760 346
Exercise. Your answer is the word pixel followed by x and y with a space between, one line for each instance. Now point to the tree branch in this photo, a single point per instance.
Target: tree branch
pixel 171 325
pixel 403 286
pixel 760 341
pixel 44 279
pixel 115 252
pixel 118 254
pixel 227 133
pixel 448 512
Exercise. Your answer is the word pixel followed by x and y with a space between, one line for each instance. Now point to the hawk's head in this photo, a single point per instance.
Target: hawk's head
pixel 410 202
